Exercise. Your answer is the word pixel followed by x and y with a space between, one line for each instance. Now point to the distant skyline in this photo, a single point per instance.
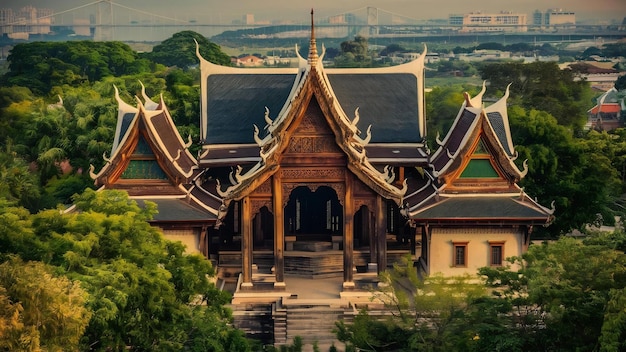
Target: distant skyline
pixel 220 11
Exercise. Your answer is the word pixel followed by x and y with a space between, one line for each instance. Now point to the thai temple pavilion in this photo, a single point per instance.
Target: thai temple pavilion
pixel 318 171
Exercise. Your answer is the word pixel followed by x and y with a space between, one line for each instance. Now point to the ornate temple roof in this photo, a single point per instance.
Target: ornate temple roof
pixel 374 117
pixel 472 176
pixel 150 161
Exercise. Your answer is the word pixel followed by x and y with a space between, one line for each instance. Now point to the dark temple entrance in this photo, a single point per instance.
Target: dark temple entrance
pixel 313 215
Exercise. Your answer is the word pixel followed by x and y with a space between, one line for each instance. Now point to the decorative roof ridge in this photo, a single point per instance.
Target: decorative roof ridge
pixel 464 107
pixel 207 66
pixel 523 197
pixel 477 100
pixel 123 108
pixel 444 145
pixel 481 195
pixel 354 145
pixel 115 152
pixel 313 57
pixel 501 107
pixel 155 136
pixel 414 67
pixel 299 82
pixel 149 104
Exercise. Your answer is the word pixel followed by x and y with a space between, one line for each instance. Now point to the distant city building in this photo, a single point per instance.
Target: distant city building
pixel 554 18
pixel 248 18
pixel 490 22
pixel 6 17
pixel 25 21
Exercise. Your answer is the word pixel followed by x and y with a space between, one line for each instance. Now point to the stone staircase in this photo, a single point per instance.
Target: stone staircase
pixel 312 320
pixel 280 322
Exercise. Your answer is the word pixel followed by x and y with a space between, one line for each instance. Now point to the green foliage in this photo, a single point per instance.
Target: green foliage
pixel 620 83
pixel 576 173
pixel 442 107
pixel 568 295
pixel 354 53
pixel 17 183
pixel 542 86
pixel 144 293
pixel 43 65
pixel 39 311
pixel 180 51
pixel 426 315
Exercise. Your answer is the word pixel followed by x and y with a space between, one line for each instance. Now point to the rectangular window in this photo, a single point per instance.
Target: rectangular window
pixel 496 253
pixel 460 254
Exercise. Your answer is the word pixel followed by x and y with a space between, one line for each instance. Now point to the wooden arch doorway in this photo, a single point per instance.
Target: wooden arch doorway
pixel 313 215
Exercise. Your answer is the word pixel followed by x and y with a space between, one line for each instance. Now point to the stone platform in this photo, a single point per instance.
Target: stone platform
pixel 312 246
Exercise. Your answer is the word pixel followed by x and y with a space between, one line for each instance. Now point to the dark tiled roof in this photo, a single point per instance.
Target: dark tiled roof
pixel 485 208
pixel 453 143
pixel 386 101
pixel 126 120
pixel 169 135
pixel 240 154
pixel 393 155
pixel 237 101
pixel 177 210
pixel 418 191
pixel 495 118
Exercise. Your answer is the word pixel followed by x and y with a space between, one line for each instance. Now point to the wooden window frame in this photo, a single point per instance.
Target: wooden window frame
pixel 492 245
pixel 456 245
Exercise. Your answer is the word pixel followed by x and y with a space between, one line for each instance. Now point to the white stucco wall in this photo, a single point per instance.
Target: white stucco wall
pixel 188 237
pixel 478 253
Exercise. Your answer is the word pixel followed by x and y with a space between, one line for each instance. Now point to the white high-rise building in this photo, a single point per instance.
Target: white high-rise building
pixel 503 21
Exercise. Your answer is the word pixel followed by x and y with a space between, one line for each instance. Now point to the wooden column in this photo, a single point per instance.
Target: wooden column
pixel 348 235
pixel 279 231
pixel 246 242
pixel 373 233
pixel 381 233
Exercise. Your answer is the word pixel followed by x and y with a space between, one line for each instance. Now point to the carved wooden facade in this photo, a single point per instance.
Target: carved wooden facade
pixel 330 155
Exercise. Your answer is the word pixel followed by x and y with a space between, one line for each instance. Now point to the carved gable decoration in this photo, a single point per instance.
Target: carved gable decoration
pixel 313 134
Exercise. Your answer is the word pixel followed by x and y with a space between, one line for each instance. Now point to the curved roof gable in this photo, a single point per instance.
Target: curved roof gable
pixel 471 126
pixel 156 129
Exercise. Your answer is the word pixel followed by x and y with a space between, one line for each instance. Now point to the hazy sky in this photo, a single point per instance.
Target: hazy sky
pixel 298 10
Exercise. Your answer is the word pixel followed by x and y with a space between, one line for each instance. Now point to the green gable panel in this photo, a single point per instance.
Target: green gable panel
pixel 478 168
pixel 142 147
pixel 144 169
pixel 480 149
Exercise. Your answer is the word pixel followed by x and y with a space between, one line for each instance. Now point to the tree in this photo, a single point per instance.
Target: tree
pixel 43 65
pixel 180 51
pixel 576 174
pixel 354 53
pixel 571 293
pixel 542 86
pixel 17 183
pixel 427 314
pixel 144 291
pixel 620 83
pixel 39 311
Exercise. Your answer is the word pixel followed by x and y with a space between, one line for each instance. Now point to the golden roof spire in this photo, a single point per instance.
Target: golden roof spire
pixel 312 44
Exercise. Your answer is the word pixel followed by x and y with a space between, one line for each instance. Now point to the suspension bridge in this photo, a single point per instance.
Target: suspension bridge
pixel 105 20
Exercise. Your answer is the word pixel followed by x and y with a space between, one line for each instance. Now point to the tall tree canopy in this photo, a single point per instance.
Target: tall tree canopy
pixel 180 51
pixel 542 86
pixel 144 293
pixel 43 65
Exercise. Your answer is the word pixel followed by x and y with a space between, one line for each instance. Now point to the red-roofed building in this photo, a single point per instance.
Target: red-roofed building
pixel 606 115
